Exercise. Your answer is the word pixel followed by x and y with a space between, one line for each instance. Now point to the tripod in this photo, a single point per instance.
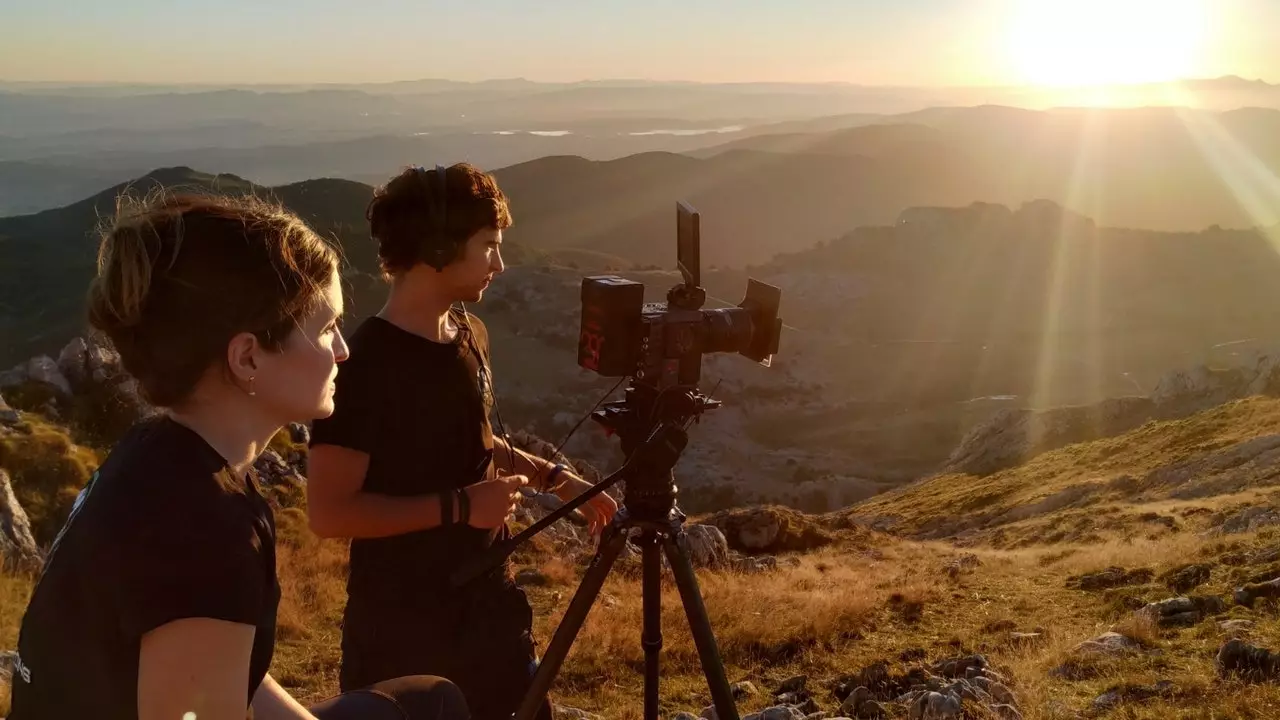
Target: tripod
pixel 651 425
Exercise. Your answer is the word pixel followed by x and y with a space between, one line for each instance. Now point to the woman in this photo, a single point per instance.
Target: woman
pixel 158 597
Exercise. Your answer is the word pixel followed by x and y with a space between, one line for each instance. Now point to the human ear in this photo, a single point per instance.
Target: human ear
pixel 242 353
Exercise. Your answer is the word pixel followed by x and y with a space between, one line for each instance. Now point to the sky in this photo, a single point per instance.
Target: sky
pixel 871 42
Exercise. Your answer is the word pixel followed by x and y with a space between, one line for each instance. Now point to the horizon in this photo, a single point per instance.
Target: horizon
pixel 321 84
pixel 910 44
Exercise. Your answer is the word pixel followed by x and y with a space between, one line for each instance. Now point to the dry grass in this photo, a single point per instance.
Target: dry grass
pixel 14 593
pixel 869 598
pixel 47 468
pixel 1074 483
pixel 838 611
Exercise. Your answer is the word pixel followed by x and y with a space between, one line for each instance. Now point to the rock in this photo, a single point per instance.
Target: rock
pixel 1025 639
pixel 1183 611
pixel 561 712
pixel 8 660
pixel 299 434
pixel 18 549
pixel 1187 577
pixel 1110 578
pixel 44 369
pixel 13 377
pixel 685 716
pixel 1252 663
pixel 1248 594
pixel 1111 643
pixel 1129 692
pixel 284 486
pixel 1237 626
pixel 861 704
pixel 530 576
pixel 549 501
pixel 749 564
pixel 707 546
pixel 71 361
pixel 961 564
pixel 777 712
pixel 957 667
pixel 8 416
pixel 935 706
pixel 769 529
pixel 709 713
pixel 1250 519
pixel 743 689
pixel 1006 712
pixel 794 683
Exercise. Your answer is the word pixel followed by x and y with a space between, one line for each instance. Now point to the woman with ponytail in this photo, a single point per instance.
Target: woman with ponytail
pixel 158 597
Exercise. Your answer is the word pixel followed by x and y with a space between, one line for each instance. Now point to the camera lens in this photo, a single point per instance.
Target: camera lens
pixel 727 330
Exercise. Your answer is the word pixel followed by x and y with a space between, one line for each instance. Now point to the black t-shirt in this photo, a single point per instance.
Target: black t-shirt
pixel 420 410
pixel 154 537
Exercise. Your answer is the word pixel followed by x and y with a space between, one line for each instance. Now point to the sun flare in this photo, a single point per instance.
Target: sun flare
pixel 1102 42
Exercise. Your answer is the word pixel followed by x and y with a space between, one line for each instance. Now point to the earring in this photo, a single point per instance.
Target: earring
pixel 251 392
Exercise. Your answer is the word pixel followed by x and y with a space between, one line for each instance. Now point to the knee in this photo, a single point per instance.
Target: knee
pixel 428 697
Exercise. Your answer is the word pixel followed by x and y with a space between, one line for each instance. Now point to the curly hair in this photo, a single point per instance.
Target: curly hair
pixel 403 216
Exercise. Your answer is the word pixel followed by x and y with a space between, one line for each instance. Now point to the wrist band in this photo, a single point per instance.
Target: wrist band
pixel 546 484
pixel 446 508
pixel 464 507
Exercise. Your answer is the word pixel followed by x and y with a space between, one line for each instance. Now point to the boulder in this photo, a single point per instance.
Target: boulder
pixel 18 549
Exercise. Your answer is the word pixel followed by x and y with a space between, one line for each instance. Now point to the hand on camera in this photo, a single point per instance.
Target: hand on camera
pixel 495 500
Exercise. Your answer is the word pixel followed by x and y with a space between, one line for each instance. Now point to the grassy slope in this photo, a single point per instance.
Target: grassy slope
pixel 872 597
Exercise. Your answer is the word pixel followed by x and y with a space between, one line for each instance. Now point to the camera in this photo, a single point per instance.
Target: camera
pixel 662 343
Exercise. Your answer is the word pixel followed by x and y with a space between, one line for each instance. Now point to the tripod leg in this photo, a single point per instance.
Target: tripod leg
pixel 700 626
pixel 575 615
pixel 651 639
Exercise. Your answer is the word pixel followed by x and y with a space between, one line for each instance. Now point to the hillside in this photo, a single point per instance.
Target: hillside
pixel 900 338
pixel 49 257
pixel 1133 576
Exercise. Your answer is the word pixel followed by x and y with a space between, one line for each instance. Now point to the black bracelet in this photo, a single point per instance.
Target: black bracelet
pixel 464 507
pixel 546 484
pixel 446 508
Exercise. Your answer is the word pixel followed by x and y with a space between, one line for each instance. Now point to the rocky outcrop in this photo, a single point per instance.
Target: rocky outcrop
pixel 18 549
pixel 769 529
pixel 535 445
pixel 1013 436
pixel 8 416
pixel 86 384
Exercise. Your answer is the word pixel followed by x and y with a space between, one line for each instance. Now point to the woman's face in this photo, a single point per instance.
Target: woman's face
pixel 295 384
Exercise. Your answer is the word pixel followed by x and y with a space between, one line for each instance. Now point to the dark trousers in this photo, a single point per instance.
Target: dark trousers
pixel 482 642
pixel 414 697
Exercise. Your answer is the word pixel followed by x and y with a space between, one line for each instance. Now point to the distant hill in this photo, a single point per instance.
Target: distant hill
pixel 1154 168
pixel 49 257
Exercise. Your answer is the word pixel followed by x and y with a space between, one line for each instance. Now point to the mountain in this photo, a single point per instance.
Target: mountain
pixel 49 257
pixel 1154 168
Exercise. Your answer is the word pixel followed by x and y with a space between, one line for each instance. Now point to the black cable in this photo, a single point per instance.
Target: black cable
pixel 502 429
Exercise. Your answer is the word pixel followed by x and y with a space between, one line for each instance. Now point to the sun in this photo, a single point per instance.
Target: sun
pixel 1104 42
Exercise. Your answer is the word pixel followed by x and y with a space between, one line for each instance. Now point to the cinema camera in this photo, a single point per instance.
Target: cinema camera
pixel 663 343
pixel 659 346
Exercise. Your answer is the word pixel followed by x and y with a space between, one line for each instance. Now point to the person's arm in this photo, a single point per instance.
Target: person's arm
pixel 338 507
pixel 338 459
pixel 191 580
pixel 272 702
pixel 511 459
pixel 201 666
